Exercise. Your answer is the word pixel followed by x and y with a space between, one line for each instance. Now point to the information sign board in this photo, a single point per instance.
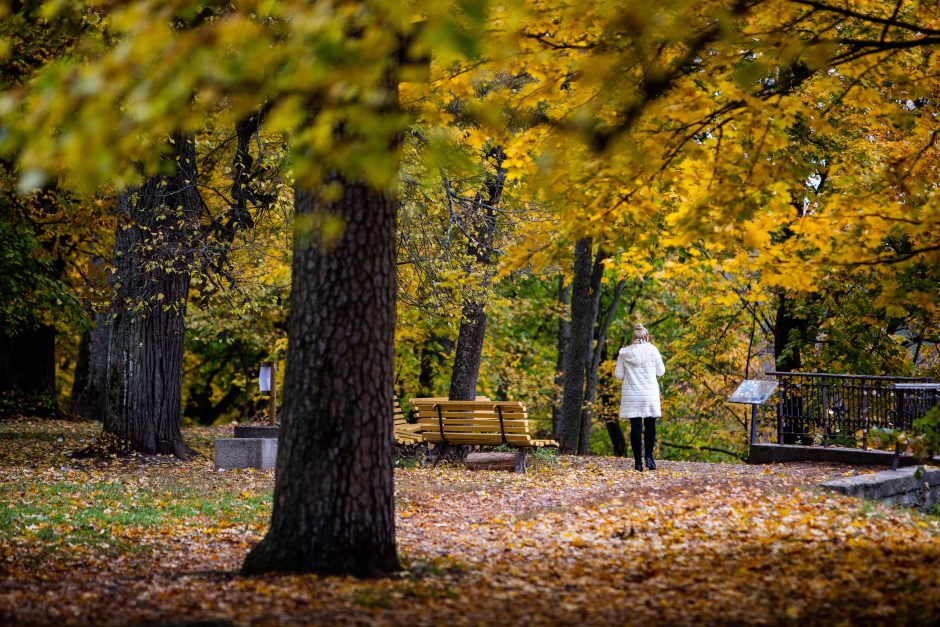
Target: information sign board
pixel 753 392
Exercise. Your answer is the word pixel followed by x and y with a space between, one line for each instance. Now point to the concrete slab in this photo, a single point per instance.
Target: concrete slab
pixel 782 453
pixel 915 486
pixel 256 431
pixel 245 453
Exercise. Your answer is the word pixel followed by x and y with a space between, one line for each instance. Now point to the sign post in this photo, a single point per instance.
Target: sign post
pixel 752 392
pixel 267 382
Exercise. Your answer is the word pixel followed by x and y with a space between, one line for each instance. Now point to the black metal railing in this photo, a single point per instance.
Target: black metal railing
pixel 840 409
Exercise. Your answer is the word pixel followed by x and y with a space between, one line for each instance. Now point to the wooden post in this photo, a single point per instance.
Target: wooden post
pixel 273 396
pixel 754 423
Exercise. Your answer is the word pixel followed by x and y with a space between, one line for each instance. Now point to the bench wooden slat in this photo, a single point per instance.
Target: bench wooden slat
pixel 457 429
pixel 472 415
pixel 492 439
pixel 475 422
pixel 404 433
pixel 421 403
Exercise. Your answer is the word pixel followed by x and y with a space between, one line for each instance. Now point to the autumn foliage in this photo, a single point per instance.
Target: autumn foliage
pixel 584 540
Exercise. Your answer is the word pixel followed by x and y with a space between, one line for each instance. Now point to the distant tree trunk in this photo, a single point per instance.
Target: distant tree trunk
pixel 333 499
pixel 578 353
pixel 564 335
pixel 590 392
pixel 790 332
pixel 482 232
pixel 594 354
pixel 91 371
pixel 467 357
pixel 619 443
pixel 156 234
pixel 431 352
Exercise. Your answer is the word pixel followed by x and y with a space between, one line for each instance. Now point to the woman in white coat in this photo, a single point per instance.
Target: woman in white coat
pixel 638 365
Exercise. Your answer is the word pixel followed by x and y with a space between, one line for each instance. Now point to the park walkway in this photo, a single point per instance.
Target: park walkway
pixel 579 541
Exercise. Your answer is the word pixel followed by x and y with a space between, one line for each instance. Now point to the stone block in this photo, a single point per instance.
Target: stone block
pixel 916 486
pixel 511 461
pixel 256 431
pixel 783 453
pixel 245 453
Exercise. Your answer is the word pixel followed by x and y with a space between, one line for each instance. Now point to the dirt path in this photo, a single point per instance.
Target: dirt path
pixel 581 541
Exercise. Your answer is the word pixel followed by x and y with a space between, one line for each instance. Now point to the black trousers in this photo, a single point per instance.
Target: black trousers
pixel 637 439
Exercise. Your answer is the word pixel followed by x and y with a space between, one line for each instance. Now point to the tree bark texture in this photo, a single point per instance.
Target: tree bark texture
pixel 91 371
pixel 157 233
pixel 333 499
pixel 482 233
pixel 603 325
pixel 594 359
pixel 578 353
pixel 564 335
pixel 790 333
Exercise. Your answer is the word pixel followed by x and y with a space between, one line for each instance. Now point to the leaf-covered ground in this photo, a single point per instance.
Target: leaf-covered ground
pixel 578 541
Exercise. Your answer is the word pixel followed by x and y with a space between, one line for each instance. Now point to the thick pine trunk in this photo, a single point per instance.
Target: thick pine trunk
pixel 333 499
pixel 91 371
pixel 469 351
pixel 156 235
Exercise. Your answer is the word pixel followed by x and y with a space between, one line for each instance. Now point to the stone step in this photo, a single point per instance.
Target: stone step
pixel 915 486
pixel 256 431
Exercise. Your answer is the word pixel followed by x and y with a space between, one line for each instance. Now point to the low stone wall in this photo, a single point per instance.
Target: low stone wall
pixel 916 486
pixel 782 453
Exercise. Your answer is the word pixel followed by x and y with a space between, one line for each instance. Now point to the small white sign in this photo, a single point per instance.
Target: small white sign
pixel 264 378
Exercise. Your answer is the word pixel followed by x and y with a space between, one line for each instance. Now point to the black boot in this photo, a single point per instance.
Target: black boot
pixel 636 442
pixel 650 437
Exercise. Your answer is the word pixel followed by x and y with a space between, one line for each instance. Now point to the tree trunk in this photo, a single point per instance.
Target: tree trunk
pixel 333 498
pixel 156 234
pixel 482 232
pixel 564 335
pixel 91 371
pixel 789 334
pixel 594 360
pixel 578 353
pixel 469 352
pixel 590 392
pixel 615 431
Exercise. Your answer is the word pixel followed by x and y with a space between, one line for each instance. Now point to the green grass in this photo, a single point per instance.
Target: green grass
pixel 53 502
pixel 110 515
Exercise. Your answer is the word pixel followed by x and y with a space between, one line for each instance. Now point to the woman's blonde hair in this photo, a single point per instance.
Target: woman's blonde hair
pixel 640 334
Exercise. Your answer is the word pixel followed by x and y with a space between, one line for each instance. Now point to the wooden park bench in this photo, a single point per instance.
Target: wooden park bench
pixel 405 432
pixel 455 427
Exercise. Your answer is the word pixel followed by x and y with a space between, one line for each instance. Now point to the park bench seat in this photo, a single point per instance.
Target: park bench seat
pixel 405 433
pixel 480 422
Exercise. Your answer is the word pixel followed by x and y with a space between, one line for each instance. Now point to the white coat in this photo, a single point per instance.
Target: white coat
pixel 639 365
